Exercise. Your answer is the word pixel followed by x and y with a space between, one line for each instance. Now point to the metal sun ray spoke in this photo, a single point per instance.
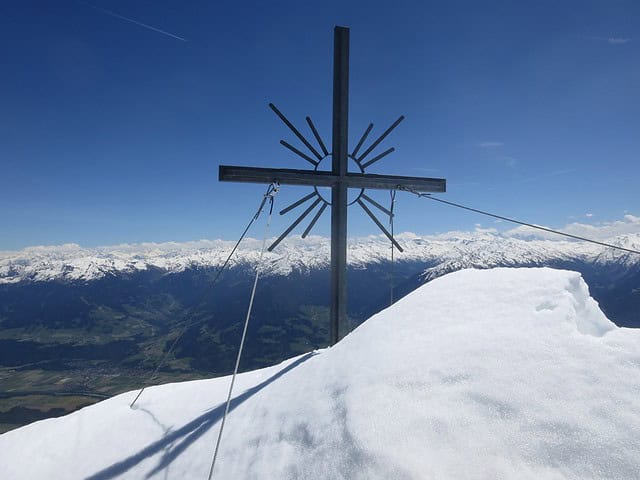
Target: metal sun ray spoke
pixel 338 178
pixel 299 153
pixel 315 219
pixel 295 131
pixel 380 226
pixel 380 138
pixel 298 202
pixel 362 139
pixel 376 204
pixel 378 157
pixel 318 137
pixel 295 224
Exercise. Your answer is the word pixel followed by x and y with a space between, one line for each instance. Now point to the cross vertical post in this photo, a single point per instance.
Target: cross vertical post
pixel 339 179
pixel 338 312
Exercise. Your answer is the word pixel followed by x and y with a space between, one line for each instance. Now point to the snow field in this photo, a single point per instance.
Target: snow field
pixel 492 374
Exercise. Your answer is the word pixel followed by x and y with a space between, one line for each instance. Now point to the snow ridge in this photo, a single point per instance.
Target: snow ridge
pixel 480 374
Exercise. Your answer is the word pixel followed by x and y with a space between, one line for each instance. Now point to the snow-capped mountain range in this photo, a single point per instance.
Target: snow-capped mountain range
pixel 447 252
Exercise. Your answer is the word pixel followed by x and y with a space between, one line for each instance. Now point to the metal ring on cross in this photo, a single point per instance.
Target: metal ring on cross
pixel 315 169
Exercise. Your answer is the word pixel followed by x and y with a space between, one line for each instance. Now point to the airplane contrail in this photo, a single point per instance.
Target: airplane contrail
pixel 117 15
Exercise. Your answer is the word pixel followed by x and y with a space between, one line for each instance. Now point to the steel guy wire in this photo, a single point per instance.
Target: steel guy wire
pixel 242 340
pixel 270 192
pixel 513 220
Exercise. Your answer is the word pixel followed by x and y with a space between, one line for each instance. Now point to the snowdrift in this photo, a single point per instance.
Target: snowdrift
pixel 493 374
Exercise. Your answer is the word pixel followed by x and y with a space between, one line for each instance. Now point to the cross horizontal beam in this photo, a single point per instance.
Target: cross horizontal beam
pixel 319 178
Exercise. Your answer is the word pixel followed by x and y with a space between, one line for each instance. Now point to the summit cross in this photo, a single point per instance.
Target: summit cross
pixel 339 179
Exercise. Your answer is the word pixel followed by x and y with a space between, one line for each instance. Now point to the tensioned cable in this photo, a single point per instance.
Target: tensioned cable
pixel 393 204
pixel 512 220
pixel 271 191
pixel 244 335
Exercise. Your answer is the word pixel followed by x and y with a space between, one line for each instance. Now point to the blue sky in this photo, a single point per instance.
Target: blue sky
pixel 112 132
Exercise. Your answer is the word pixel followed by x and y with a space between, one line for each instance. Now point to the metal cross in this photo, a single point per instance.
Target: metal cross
pixel 339 179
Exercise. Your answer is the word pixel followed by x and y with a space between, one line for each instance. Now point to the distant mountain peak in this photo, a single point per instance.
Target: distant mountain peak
pixel 450 251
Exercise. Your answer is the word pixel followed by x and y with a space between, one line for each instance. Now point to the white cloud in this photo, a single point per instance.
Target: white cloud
pixel 630 224
pixel 510 161
pixel 543 176
pixel 617 41
pixel 588 215
pixel 611 40
pixel 496 148
pixel 490 144
pixel 491 231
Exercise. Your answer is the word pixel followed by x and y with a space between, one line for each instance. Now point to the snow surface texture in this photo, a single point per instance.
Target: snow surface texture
pixel 481 374
pixel 449 252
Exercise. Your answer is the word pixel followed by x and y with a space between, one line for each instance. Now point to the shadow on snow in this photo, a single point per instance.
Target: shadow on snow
pixel 187 434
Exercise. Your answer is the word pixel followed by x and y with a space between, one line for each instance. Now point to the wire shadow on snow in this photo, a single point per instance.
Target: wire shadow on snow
pixel 176 442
